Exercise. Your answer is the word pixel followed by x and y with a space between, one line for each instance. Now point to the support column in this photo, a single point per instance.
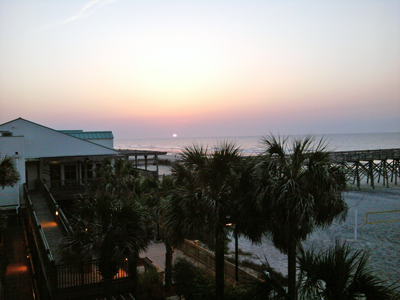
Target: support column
pixel 371 170
pixel 358 175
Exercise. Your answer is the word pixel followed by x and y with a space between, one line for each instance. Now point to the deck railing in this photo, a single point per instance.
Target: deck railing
pixel 208 258
pixel 46 259
pixel 58 213
pixel 77 275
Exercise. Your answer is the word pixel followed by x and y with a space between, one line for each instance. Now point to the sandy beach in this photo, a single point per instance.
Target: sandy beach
pixel 381 240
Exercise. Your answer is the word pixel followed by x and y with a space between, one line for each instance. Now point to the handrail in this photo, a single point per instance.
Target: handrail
pixel 65 223
pixel 37 224
pixel 46 258
pixel 43 236
pixel 57 211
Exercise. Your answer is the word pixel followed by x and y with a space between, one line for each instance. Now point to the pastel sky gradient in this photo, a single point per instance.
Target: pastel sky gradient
pixel 149 69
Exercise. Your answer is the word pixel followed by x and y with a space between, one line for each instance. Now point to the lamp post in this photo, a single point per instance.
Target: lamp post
pixel 235 235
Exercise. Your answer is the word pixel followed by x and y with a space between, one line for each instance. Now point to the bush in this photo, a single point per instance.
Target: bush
pixel 191 281
pixel 151 287
pixel 195 283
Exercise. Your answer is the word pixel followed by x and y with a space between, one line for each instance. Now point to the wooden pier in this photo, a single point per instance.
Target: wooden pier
pixel 372 165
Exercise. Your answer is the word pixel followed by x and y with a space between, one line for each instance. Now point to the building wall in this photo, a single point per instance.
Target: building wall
pixel 30 141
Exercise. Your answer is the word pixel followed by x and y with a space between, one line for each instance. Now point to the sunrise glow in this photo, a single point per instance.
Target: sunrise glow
pixel 148 68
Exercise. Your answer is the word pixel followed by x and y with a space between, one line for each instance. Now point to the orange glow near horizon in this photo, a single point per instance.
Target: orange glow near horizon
pixel 205 67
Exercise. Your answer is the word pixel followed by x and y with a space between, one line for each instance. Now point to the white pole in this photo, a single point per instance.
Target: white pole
pixel 355 226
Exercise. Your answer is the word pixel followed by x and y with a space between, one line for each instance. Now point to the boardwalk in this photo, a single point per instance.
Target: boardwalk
pixel 49 226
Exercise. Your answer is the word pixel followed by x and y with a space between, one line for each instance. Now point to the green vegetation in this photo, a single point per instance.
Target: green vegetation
pixel 284 193
pixel 9 175
pixel 340 273
pixel 298 190
pixel 337 273
pixel 194 283
pixel 111 224
pixel 206 197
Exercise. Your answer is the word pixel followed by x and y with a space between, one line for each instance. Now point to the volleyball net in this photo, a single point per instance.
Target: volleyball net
pixel 383 216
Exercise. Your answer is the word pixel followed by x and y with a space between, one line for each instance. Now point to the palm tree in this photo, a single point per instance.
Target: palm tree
pixel 270 286
pixel 340 273
pixel 157 199
pixel 110 229
pixel 298 191
pixel 246 216
pixel 9 175
pixel 203 197
pixel 111 225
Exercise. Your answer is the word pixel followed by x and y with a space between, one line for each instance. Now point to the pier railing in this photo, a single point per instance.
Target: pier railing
pixel 365 155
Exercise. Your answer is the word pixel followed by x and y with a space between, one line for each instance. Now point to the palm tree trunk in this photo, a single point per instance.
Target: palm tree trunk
pixel 236 256
pixel 292 270
pixel 168 266
pixel 219 265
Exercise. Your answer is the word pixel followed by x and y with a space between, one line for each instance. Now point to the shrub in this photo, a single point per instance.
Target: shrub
pixel 195 283
pixel 191 281
pixel 151 287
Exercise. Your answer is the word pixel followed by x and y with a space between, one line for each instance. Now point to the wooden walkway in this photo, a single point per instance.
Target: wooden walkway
pixel 370 166
pixel 50 228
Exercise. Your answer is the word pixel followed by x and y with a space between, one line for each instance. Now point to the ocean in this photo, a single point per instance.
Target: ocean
pixel 252 144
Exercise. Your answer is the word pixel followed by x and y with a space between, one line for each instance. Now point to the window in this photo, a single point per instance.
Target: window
pixel 70 172
pixel 89 171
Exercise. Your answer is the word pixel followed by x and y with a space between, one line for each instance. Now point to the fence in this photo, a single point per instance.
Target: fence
pixel 84 274
pixel 207 258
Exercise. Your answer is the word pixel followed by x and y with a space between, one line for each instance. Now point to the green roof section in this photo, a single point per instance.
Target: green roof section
pixel 89 135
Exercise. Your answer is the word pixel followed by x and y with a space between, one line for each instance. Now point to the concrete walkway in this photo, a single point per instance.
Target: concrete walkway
pixel 156 253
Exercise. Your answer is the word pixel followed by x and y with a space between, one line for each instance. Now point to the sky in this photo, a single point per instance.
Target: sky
pixel 151 69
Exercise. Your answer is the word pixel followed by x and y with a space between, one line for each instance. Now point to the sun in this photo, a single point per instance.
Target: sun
pixel 174 135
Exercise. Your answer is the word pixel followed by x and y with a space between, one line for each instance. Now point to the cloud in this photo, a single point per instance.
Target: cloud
pixel 84 12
